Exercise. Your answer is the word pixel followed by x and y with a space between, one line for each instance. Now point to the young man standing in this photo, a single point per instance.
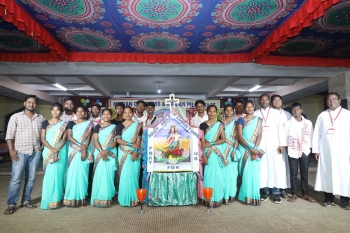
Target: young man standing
pixel 299 133
pixel 140 114
pixel 238 110
pixel 201 114
pixel 119 108
pixel 68 114
pixel 331 146
pixel 284 117
pixel 151 119
pixel 23 141
pixel 273 165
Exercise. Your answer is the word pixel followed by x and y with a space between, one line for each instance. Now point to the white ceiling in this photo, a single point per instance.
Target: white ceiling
pixel 185 80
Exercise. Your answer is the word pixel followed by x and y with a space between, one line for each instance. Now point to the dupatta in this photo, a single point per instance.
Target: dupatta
pixel 212 134
pixel 53 136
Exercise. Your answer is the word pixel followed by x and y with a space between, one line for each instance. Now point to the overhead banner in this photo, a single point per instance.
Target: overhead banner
pixel 185 108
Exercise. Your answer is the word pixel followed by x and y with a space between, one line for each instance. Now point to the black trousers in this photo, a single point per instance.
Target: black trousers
pixel 90 178
pixel 329 197
pixel 304 162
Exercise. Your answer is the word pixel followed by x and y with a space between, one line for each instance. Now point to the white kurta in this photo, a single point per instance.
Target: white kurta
pixel 197 120
pixel 285 116
pixel 333 169
pixel 273 165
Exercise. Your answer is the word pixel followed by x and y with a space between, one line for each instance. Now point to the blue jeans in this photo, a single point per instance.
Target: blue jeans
pixel 27 164
pixel 275 191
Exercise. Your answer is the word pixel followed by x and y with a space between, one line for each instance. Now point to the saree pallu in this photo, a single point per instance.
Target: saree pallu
pixel 52 190
pixel 250 169
pixel 103 189
pixel 78 170
pixel 230 171
pixel 213 172
pixel 129 171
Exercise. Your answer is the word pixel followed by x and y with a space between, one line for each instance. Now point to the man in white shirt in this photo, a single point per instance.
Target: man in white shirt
pixel 299 133
pixel 201 114
pixel 68 114
pixel 140 114
pixel 276 101
pixel 331 146
pixel 272 164
pixel 238 110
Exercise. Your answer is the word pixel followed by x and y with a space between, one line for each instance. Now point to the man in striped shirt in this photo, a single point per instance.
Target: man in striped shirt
pixel 23 140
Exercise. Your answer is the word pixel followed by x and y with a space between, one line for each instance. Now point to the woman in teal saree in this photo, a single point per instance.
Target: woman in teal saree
pixel 53 137
pixel 249 130
pixel 213 157
pixel 79 134
pixel 128 136
pixel 103 189
pixel 230 171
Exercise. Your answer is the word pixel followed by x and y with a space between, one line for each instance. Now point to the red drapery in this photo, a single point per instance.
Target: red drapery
pixel 29 57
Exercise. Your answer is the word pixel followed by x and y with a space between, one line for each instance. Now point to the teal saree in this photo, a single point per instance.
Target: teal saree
pixel 103 189
pixel 250 169
pixel 213 172
pixel 230 171
pixel 78 170
pixel 129 171
pixel 52 190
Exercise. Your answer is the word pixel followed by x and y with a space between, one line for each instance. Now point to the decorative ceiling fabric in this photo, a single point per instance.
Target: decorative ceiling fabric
pixel 175 31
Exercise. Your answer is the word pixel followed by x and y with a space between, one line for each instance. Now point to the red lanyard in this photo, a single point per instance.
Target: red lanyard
pixel 264 116
pixel 329 112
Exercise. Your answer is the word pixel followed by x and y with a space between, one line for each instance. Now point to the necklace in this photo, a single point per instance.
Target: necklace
pixel 210 124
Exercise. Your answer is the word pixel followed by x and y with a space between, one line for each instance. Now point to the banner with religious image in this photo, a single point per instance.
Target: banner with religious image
pixel 172 145
pixel 185 108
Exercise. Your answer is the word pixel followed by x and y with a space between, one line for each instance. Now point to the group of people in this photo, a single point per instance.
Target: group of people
pixel 98 156
pixel 263 149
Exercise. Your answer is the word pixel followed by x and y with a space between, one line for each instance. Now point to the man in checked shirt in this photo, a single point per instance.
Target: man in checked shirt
pixel 23 140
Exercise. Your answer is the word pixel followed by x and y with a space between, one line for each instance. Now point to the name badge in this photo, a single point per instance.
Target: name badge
pixel 266 128
pixel 331 131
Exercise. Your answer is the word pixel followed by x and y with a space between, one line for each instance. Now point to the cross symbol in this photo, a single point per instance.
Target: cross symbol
pixel 171 100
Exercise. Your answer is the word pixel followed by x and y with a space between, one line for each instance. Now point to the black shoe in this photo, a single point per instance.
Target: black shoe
pixel 345 207
pixel 277 199
pixel 284 193
pixel 327 204
pixel 264 197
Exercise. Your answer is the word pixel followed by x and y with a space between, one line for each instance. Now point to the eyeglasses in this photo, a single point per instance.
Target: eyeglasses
pixel 332 100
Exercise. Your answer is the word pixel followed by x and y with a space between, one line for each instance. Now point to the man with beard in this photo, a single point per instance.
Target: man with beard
pixel 330 143
pixel 284 117
pixel 140 114
pixel 201 115
pixel 273 167
pixel 68 114
pixel 23 141
pixel 238 110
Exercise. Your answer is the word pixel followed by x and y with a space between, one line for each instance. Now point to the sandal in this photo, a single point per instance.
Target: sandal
pixel 10 210
pixel 292 199
pixel 29 206
pixel 309 199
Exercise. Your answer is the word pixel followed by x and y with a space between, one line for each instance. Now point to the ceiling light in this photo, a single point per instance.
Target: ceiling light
pixel 159 90
pixel 254 88
pixel 60 87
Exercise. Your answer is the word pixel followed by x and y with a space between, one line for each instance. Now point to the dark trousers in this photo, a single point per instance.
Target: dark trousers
pixel 304 162
pixel 329 197
pixel 90 178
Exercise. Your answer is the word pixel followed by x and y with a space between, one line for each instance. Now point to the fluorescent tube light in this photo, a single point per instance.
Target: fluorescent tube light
pixel 254 88
pixel 60 87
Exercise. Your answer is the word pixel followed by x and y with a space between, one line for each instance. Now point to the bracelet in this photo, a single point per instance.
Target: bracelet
pixel 129 144
pixel 212 144
pixel 108 148
pixel 78 144
pixel 137 150
pixel 99 149
pixel 234 148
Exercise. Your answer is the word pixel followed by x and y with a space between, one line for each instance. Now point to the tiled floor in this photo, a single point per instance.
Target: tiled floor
pixel 300 216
